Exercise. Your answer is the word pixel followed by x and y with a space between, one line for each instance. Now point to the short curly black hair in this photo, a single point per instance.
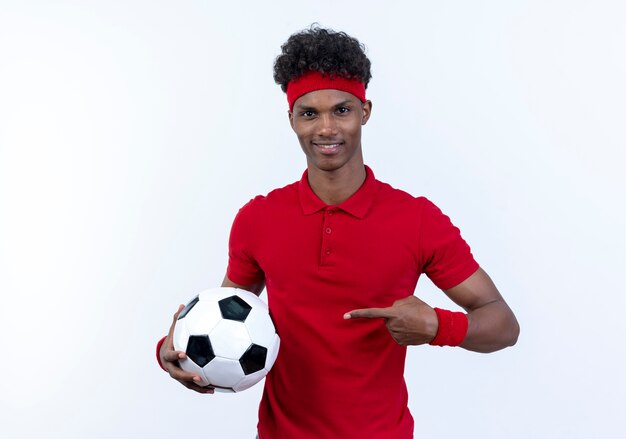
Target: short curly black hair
pixel 324 50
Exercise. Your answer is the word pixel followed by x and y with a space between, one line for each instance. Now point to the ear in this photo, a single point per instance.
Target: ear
pixel 367 111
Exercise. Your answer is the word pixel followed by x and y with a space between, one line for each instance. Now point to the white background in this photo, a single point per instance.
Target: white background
pixel 132 131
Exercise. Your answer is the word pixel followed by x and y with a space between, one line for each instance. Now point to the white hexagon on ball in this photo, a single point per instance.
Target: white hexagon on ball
pixel 224 373
pixel 260 327
pixel 210 318
pixel 230 339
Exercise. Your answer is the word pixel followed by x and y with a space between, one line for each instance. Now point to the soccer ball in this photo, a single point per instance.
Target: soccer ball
pixel 229 338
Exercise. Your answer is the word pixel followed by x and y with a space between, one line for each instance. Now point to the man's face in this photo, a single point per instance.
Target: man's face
pixel 328 125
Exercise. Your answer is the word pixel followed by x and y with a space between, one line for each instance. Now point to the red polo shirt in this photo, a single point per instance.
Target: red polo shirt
pixel 337 378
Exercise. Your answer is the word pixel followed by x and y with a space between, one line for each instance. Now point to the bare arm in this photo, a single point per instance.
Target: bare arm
pixel 256 288
pixel 491 323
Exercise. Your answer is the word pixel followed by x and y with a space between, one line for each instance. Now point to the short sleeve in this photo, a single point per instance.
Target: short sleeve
pixel 243 269
pixel 447 258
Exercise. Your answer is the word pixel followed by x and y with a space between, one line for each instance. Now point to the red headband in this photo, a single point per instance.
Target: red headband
pixel 314 80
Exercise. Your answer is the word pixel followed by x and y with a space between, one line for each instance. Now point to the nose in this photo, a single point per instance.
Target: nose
pixel 327 125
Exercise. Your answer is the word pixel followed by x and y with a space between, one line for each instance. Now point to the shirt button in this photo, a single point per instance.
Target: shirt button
pixel 331 212
pixel 328 230
pixel 327 251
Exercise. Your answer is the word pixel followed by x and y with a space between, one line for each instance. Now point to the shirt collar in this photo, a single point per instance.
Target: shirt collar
pixel 357 205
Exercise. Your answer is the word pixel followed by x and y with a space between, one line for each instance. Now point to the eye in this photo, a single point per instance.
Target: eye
pixel 343 110
pixel 307 114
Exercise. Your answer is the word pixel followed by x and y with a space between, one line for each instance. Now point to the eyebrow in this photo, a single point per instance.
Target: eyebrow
pixel 343 103
pixel 304 108
pixel 301 107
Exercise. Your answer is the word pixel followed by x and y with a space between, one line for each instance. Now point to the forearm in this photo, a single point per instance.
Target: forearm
pixel 491 327
pixel 255 289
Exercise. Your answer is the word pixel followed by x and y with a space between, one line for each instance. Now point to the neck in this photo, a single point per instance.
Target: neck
pixel 335 187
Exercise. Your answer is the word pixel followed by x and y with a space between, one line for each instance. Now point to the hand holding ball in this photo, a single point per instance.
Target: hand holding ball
pixel 229 338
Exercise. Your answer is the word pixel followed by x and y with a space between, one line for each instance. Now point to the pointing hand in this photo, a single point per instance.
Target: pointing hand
pixel 410 321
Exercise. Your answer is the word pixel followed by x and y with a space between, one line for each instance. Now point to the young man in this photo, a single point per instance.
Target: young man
pixel 340 254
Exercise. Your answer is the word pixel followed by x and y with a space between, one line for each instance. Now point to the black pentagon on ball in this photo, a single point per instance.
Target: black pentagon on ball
pixel 253 359
pixel 188 307
pixel 199 350
pixel 234 308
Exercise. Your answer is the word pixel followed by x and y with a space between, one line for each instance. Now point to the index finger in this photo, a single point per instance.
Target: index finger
pixel 170 354
pixel 181 307
pixel 369 313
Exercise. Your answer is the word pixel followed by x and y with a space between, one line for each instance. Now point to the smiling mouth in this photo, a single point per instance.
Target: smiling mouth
pixel 328 147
